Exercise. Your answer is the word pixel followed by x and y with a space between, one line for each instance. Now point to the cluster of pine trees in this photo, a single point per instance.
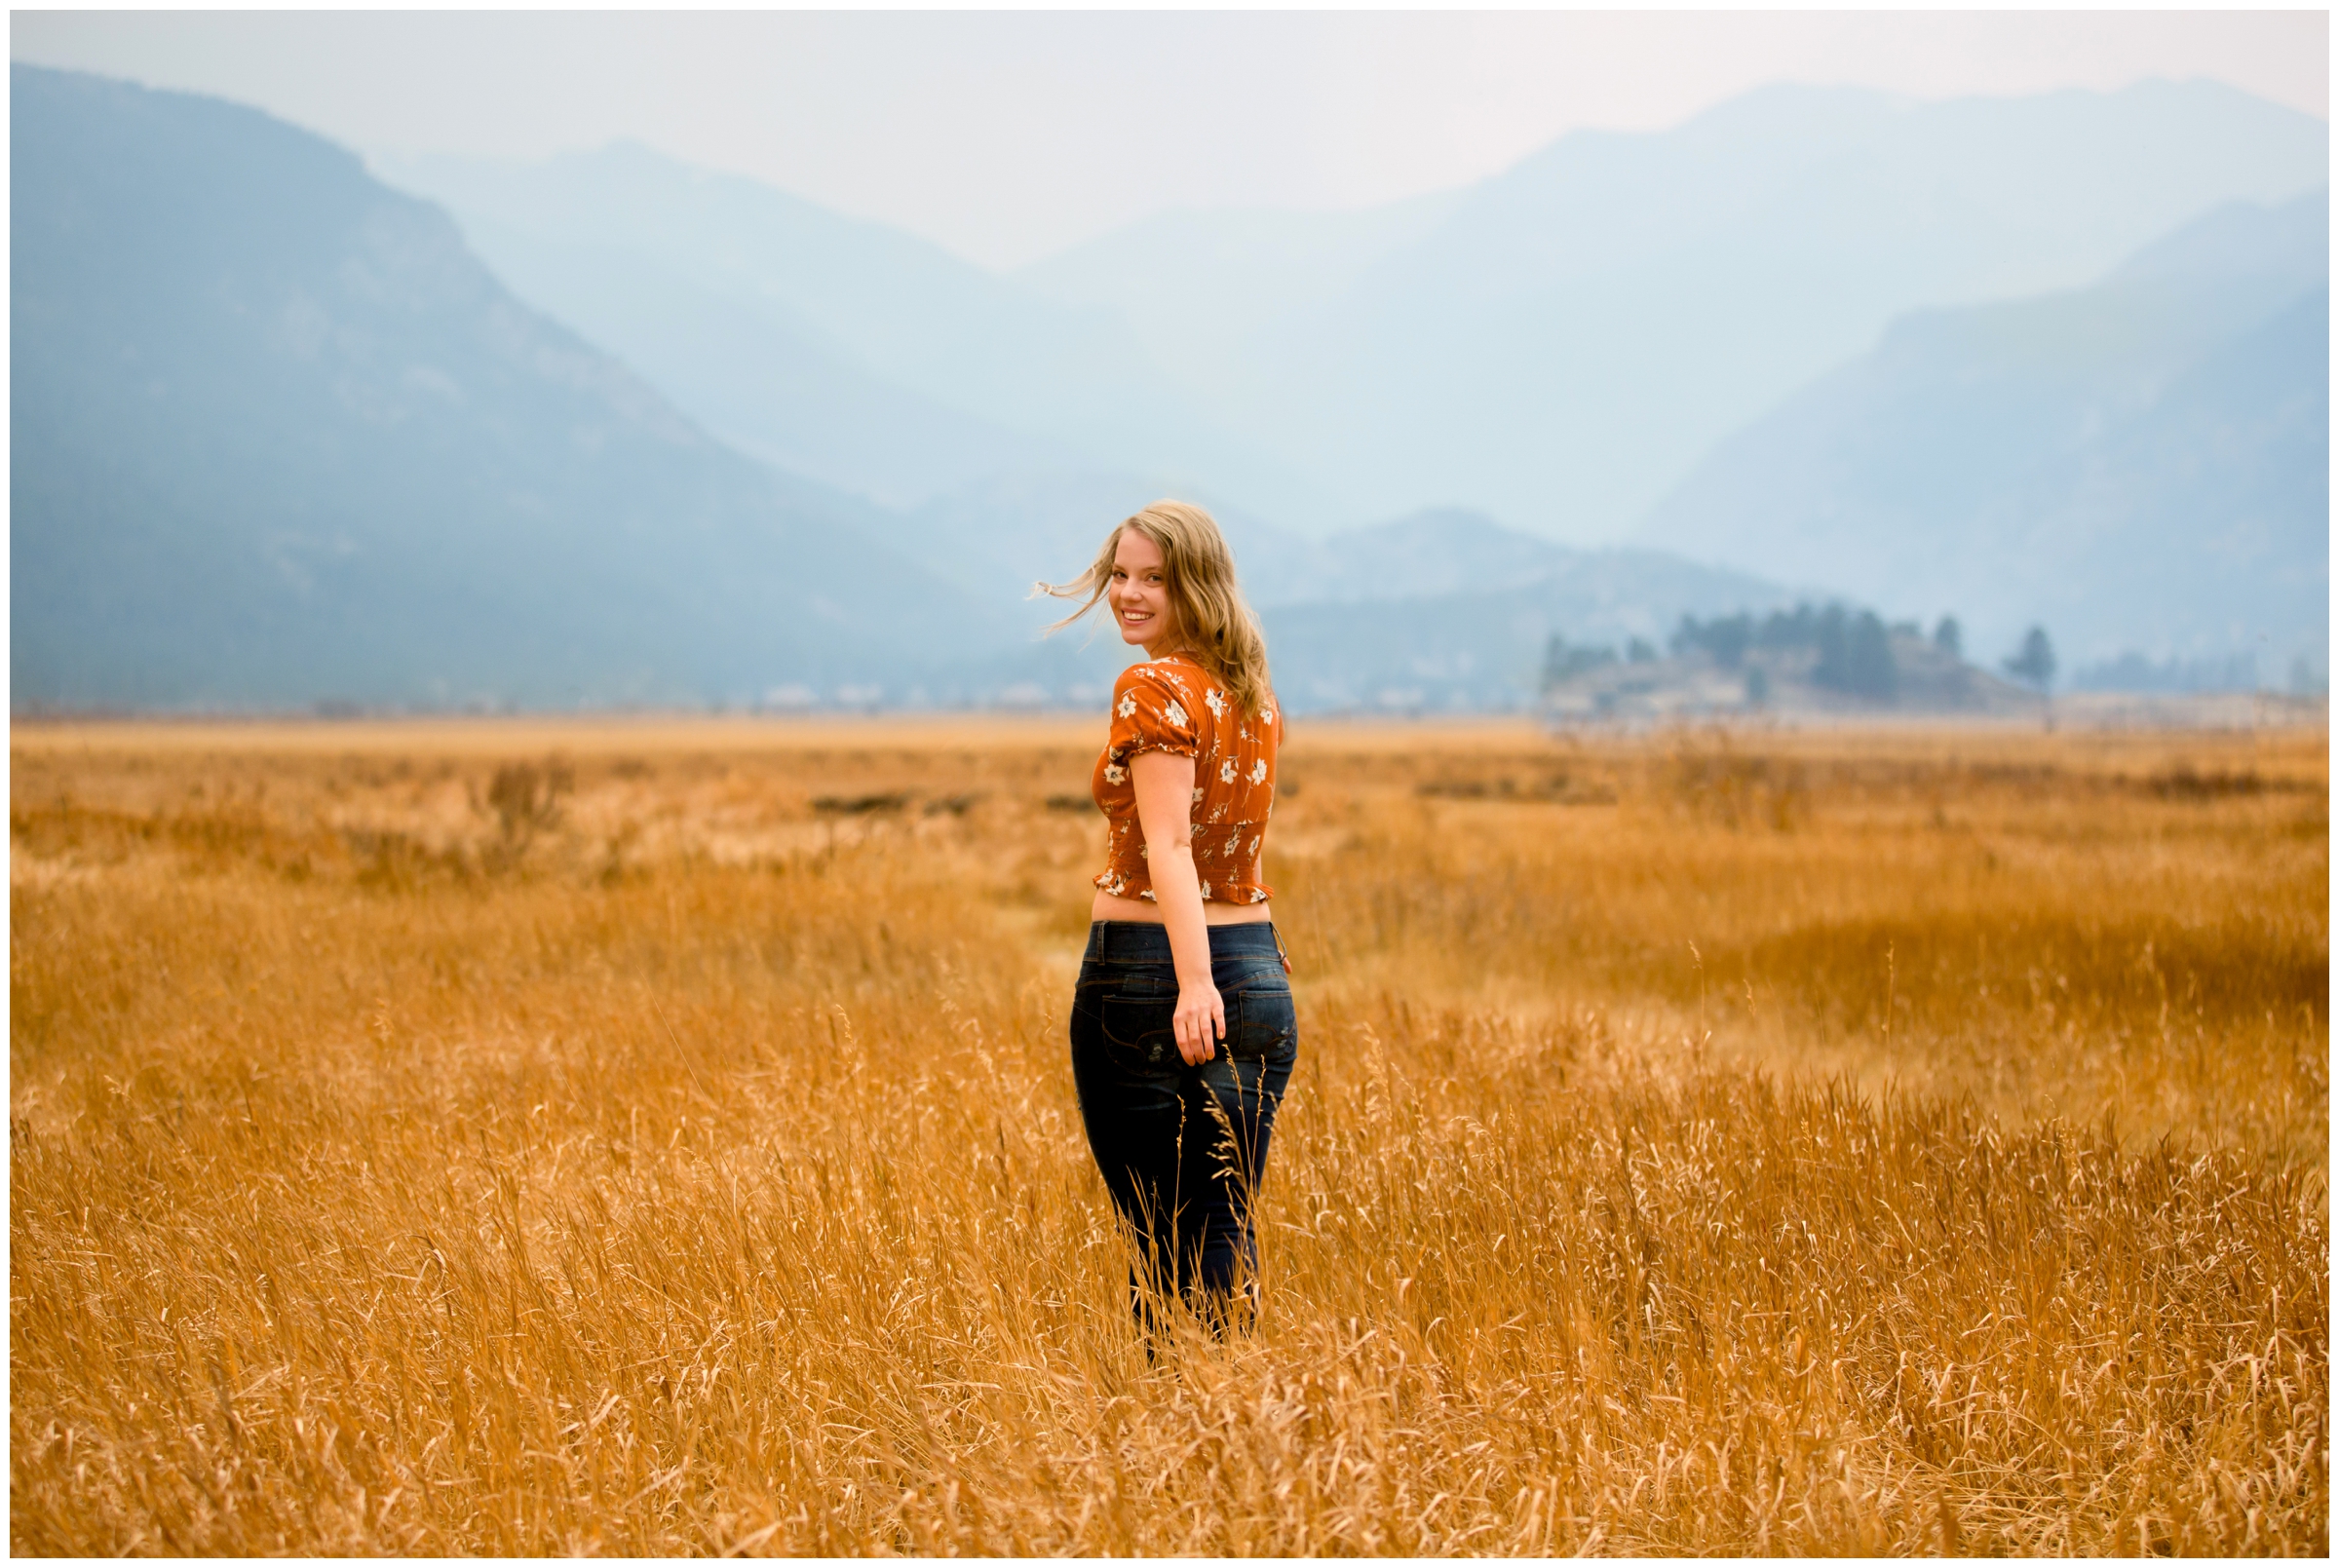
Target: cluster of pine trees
pixel 1853 648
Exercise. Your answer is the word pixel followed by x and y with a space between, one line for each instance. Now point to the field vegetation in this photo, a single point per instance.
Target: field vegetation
pixel 515 1139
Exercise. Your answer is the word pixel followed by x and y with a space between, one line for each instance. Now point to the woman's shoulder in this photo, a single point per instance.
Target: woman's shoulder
pixel 1155 695
pixel 1171 676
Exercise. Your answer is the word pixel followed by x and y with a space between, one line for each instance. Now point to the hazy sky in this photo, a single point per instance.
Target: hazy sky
pixel 1006 136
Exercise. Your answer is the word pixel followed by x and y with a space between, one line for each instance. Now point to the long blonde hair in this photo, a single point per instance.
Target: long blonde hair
pixel 1216 626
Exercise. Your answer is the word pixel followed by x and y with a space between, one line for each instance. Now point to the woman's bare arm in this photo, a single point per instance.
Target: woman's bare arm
pixel 1165 789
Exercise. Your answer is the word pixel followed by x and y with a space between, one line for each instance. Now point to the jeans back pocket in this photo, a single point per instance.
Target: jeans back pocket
pixel 1143 1027
pixel 1261 1024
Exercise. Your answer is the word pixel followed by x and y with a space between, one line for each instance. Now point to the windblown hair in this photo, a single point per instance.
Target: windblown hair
pixel 1213 622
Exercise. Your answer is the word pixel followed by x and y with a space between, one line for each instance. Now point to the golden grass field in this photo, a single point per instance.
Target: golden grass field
pixel 1884 1141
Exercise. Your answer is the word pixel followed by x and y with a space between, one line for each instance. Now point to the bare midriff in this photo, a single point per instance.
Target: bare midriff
pixel 1109 907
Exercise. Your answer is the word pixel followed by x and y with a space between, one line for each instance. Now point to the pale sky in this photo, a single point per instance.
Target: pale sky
pixel 1008 135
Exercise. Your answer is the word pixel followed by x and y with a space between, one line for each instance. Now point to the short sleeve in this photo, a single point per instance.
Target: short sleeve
pixel 1153 711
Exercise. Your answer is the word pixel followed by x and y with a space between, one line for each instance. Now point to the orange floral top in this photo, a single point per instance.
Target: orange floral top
pixel 1172 704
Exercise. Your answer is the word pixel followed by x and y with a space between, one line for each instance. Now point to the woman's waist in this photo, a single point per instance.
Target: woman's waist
pixel 1113 909
pixel 1116 940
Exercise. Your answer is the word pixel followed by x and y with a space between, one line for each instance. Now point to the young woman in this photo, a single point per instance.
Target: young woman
pixel 1182 1030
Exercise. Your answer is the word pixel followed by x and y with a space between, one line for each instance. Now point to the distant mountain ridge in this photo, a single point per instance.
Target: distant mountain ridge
pixel 1196 285
pixel 2141 465
pixel 278 437
pixel 281 437
pixel 689 270
pixel 1473 632
pixel 1441 610
pixel 1573 334
pixel 1556 345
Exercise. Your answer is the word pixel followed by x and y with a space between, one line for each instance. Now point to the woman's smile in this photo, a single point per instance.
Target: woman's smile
pixel 1140 591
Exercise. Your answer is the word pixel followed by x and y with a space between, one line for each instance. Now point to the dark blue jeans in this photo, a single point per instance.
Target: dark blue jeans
pixel 1182 1149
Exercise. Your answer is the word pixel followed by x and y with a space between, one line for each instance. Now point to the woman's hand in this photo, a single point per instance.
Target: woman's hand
pixel 1200 1022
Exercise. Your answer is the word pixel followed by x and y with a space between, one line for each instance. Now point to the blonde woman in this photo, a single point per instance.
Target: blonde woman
pixel 1183 1036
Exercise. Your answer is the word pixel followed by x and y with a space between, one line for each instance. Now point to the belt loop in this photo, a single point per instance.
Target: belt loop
pixel 1280 950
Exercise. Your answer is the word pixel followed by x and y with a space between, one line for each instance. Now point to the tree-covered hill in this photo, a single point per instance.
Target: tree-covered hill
pixel 2142 466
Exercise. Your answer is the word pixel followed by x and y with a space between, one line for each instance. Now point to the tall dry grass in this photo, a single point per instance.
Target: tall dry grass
pixel 1859 1142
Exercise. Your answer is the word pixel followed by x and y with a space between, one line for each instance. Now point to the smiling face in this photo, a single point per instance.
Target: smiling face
pixel 1140 595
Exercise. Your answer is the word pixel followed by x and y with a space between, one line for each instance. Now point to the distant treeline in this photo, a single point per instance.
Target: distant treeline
pixel 1853 648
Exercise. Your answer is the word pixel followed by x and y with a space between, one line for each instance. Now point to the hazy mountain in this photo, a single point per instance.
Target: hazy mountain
pixel 1000 536
pixel 1424 554
pixel 774 388
pixel 1556 345
pixel 1566 342
pixel 2141 465
pixel 889 365
pixel 1483 647
pixel 1447 609
pixel 278 437
pixel 1442 609
pixel 1197 285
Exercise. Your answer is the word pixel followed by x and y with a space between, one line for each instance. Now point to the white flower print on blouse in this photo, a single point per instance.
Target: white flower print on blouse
pixel 1227 831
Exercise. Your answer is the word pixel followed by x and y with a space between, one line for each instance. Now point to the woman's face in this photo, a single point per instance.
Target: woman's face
pixel 1140 593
